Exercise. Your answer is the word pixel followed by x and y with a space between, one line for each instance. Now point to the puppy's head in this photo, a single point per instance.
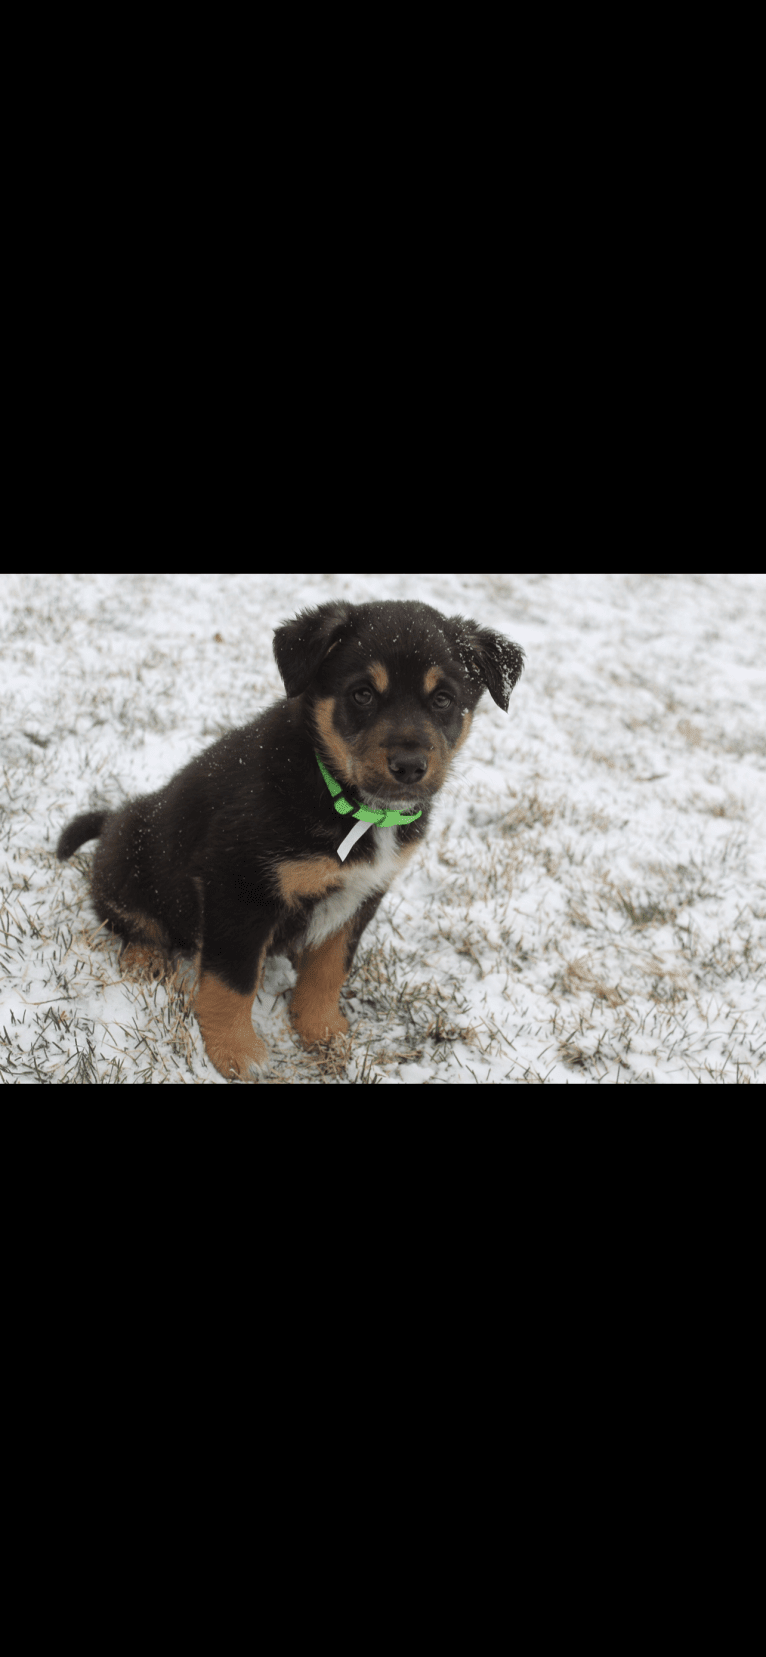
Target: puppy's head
pixel 391 689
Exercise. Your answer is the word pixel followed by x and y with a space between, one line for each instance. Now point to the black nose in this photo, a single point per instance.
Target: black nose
pixel 406 766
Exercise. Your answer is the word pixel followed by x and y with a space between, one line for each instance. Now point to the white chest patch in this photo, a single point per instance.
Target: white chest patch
pixel 331 913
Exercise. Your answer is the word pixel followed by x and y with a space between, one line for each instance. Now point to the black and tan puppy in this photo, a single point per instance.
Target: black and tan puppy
pixel 284 836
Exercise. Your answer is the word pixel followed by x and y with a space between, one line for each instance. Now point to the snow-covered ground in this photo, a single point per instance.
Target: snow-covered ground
pixel 591 901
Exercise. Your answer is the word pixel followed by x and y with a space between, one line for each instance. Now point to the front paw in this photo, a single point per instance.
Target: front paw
pixel 315 1026
pixel 237 1059
pixel 227 1031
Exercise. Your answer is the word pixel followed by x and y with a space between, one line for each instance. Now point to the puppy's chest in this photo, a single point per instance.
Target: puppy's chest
pixel 358 882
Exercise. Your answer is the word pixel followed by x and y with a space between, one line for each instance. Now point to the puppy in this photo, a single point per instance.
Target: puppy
pixel 284 836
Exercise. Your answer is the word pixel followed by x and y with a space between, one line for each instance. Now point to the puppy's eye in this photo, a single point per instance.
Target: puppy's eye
pixel 363 698
pixel 443 700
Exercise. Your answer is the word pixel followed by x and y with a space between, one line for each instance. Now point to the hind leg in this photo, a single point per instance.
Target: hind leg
pixel 138 929
pixel 151 912
pixel 145 944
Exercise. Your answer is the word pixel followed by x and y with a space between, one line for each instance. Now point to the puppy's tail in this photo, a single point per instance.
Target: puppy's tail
pixel 86 827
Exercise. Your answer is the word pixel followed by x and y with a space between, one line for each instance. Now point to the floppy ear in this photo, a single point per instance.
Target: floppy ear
pixel 493 661
pixel 300 645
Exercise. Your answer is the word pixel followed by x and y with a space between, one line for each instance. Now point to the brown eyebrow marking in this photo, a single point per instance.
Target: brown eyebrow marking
pixel 431 680
pixel 379 676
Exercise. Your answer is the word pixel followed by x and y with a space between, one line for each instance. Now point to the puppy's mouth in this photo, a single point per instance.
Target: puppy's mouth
pixel 402 799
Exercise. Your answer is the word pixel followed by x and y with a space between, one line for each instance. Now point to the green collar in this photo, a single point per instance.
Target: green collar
pixel 383 819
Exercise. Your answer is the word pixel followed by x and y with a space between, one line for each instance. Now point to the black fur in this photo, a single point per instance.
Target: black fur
pixel 197 864
pixel 86 827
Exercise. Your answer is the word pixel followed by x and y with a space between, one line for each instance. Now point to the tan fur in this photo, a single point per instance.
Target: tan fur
pixel 321 972
pixel 307 877
pixel 433 675
pixel 342 760
pixel 467 723
pixel 315 877
pixel 142 958
pixel 227 1031
pixel 379 676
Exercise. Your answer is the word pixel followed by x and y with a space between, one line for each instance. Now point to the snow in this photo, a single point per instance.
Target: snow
pixel 590 904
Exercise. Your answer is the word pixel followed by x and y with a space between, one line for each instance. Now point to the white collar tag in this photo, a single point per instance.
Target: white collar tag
pixel 353 835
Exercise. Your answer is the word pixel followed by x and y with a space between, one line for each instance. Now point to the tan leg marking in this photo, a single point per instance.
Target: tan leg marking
pixel 379 676
pixel 342 760
pixel 227 1030
pixel 307 877
pixel 321 971
pixel 433 675
pixel 146 948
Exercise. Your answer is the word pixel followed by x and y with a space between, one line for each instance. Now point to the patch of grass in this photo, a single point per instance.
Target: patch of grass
pixel 330 1058
pixel 730 807
pixel 688 883
pixel 753 742
pixel 531 812
pixel 441 1030
pixel 650 913
pixel 578 916
pixel 580 975
pixel 665 990
pixel 573 1056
